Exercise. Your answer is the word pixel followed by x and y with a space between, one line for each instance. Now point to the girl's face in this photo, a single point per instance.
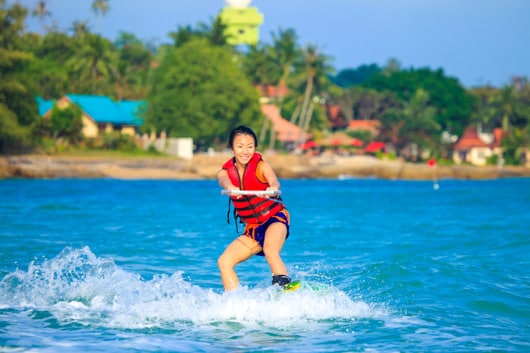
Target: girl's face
pixel 243 148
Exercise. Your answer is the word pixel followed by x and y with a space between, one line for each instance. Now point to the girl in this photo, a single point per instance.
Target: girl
pixel 266 219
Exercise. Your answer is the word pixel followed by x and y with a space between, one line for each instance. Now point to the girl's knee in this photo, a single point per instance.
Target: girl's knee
pixel 226 262
pixel 222 262
pixel 270 252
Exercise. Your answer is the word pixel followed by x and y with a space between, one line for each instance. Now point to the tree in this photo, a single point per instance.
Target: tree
pixel 484 112
pixel 80 28
pixel 18 111
pixel 411 127
pixel 272 65
pixel 100 8
pixel 41 11
pixel 452 102
pixel 48 73
pixel 352 77
pixel 259 66
pixel 198 91
pixel 66 123
pixel 93 67
pixel 285 52
pixel 133 67
pixel 214 33
pixel 369 104
pixel 314 67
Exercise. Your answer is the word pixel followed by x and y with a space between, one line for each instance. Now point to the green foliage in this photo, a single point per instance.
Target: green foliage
pixel 66 123
pixel 198 91
pixel 119 142
pixel 96 59
pixel 260 67
pixel 512 145
pixel 492 160
pixel 17 105
pixel 364 135
pixel 13 137
pixel 214 33
pixel 202 87
pixel 352 77
pixel 132 68
pixel 452 102
pixel 49 72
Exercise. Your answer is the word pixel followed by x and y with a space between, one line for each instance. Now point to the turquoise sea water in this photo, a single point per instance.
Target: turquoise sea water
pixel 130 266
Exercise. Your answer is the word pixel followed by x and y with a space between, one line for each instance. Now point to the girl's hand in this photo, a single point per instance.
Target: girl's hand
pixel 234 188
pixel 273 189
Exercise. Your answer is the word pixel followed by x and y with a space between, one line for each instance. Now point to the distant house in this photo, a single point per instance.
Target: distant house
pixel 475 147
pixel 44 105
pixel 100 114
pixel 286 132
pixel 373 126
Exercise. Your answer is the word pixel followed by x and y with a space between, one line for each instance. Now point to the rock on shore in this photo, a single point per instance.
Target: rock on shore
pixel 206 166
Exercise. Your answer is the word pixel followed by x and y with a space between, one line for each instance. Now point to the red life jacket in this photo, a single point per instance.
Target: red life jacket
pixel 251 209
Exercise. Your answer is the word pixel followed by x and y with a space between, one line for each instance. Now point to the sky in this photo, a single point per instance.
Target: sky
pixel 478 42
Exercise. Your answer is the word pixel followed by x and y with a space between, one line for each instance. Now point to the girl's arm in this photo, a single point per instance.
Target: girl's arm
pixel 270 176
pixel 224 180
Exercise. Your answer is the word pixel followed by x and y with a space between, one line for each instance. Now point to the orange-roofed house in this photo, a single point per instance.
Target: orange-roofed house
pixel 475 147
pixel 373 126
pixel 286 132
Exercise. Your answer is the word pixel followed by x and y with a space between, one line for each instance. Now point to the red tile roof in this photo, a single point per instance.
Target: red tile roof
pixel 370 125
pixel 469 140
pixel 285 131
pixel 498 134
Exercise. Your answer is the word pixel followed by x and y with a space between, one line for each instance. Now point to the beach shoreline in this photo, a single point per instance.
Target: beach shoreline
pixel 205 166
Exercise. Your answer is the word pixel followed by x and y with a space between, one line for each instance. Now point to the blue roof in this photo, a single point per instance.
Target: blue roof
pixel 44 105
pixel 133 108
pixel 104 110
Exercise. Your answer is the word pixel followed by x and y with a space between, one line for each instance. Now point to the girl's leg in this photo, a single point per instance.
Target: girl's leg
pixel 241 249
pixel 272 246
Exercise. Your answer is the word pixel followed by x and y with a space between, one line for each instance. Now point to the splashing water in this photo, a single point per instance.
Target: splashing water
pixel 77 286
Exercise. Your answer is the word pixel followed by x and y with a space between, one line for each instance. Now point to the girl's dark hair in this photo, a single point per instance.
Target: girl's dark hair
pixel 241 130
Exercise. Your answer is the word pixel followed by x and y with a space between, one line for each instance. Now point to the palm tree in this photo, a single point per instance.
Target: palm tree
pixel 100 8
pixel 285 50
pixel 41 11
pixel 80 28
pixel 94 60
pixel 316 70
pixel 132 67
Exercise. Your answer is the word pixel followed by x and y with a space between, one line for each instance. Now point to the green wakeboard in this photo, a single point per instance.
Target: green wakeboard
pixel 297 284
pixel 292 286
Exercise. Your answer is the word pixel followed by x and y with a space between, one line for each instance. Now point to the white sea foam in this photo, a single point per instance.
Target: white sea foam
pixel 77 286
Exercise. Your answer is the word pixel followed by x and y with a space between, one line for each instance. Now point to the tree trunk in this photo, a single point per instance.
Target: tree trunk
pixel 305 105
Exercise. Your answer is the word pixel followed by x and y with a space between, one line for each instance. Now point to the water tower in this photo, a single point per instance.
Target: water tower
pixel 242 22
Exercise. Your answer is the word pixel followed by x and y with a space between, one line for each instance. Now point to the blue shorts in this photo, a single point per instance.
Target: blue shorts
pixel 257 231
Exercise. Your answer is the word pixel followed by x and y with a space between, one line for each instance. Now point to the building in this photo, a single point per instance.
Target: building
pixel 242 22
pixel 286 132
pixel 475 147
pixel 372 126
pixel 100 114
